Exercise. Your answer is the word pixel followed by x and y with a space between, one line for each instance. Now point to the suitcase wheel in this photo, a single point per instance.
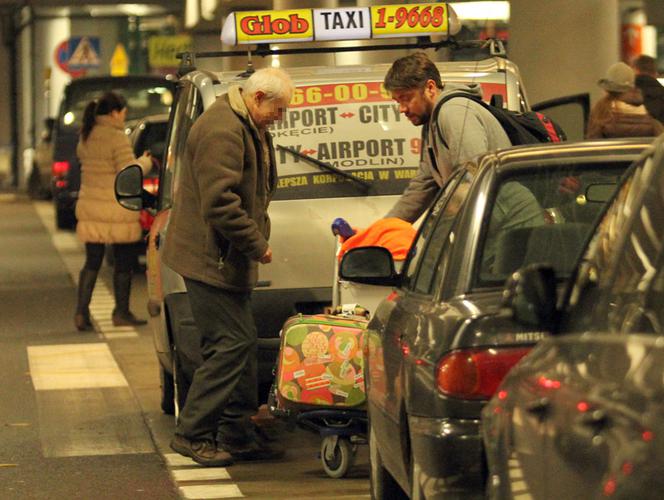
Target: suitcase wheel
pixel 337 455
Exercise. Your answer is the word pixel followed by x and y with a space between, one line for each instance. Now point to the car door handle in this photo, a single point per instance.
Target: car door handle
pixel 539 407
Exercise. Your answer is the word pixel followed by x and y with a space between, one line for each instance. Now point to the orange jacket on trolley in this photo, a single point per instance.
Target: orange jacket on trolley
pixel 392 233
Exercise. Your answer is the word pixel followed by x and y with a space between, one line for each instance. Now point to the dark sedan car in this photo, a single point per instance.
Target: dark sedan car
pixel 437 348
pixel 582 416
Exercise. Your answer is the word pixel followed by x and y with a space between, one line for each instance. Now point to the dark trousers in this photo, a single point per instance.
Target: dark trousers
pixel 125 256
pixel 224 391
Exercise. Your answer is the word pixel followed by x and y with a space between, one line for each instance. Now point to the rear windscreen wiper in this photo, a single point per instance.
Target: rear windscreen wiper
pixel 324 166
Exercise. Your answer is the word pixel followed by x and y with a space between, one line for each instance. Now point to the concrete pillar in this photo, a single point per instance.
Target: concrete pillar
pixel 49 33
pixel 26 96
pixel 563 47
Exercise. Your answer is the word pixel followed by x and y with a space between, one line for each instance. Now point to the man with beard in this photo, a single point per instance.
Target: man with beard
pixel 460 131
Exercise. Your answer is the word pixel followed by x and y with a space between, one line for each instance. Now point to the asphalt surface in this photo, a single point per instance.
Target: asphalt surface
pixel 80 413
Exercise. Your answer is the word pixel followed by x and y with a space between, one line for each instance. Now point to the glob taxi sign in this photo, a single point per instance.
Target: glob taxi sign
pixel 360 23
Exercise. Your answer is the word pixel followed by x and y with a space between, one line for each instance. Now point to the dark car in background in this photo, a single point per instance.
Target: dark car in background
pixel 582 416
pixel 145 95
pixel 437 348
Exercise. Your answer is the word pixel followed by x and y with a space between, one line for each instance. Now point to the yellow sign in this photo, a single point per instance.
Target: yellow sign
pixel 347 23
pixel 119 61
pixel 267 26
pixel 410 19
pixel 163 49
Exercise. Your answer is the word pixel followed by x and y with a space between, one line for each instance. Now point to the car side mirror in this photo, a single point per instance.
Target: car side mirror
pixel 530 296
pixel 369 265
pixel 129 188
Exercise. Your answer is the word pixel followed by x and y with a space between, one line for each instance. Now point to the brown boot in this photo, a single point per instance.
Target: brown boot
pixel 121 314
pixel 86 284
pixel 82 322
pixel 202 452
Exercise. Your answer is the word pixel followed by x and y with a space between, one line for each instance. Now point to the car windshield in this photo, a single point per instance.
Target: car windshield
pixel 143 98
pixel 543 215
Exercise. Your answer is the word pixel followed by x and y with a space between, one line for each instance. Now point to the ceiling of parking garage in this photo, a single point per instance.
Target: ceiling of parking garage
pixel 145 7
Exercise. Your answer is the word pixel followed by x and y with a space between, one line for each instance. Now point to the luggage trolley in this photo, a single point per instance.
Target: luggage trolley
pixel 320 385
pixel 320 374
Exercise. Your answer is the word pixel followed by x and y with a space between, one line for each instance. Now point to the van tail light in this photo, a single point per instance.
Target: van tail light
pixel 476 373
pixel 60 168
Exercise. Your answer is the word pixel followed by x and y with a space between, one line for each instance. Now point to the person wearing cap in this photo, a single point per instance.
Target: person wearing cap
pixel 646 80
pixel 621 113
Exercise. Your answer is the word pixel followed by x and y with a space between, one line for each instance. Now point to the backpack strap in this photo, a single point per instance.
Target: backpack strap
pixel 439 104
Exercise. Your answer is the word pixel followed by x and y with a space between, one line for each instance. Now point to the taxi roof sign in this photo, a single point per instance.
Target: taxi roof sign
pixel 350 23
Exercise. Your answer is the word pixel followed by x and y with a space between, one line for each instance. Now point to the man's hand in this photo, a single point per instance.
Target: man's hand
pixel 267 256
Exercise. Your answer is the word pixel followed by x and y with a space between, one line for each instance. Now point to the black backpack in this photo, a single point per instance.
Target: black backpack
pixel 530 127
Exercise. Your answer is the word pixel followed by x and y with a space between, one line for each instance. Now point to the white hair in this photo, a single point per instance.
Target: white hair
pixel 273 82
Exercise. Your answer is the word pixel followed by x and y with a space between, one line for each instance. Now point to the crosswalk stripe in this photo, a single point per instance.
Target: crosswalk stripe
pixel 211 492
pixel 74 366
pixel 201 474
pixel 177 460
pixel 119 335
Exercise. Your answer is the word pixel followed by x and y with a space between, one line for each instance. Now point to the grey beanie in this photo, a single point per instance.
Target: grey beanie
pixel 619 78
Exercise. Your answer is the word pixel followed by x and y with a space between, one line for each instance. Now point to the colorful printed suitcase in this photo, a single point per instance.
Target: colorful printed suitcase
pixel 320 362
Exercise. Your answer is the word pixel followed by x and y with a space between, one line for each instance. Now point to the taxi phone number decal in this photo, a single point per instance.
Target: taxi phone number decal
pixel 392 19
pixel 340 93
pixel 346 93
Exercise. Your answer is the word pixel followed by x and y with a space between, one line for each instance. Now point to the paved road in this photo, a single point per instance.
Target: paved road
pixel 79 413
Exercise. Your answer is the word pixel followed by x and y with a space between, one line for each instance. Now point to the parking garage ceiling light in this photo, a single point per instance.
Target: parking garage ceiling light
pixel 482 11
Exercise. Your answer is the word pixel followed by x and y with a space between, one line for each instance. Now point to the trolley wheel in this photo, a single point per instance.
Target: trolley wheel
pixel 337 455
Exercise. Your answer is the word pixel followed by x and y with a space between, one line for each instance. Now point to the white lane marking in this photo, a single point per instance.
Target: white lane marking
pixel 177 460
pixel 74 366
pixel 119 335
pixel 201 474
pixel 210 492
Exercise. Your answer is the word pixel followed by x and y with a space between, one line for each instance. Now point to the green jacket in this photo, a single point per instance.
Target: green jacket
pixel 219 226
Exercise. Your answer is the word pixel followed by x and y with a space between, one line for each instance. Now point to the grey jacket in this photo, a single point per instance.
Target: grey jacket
pixel 219 227
pixel 468 131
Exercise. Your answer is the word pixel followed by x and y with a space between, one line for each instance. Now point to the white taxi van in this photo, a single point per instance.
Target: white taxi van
pixel 343 150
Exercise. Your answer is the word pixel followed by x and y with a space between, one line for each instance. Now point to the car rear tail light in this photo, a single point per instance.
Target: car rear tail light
pixel 476 373
pixel 60 168
pixel 151 185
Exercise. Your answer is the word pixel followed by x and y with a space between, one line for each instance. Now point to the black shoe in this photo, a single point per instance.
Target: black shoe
pixel 253 450
pixel 202 452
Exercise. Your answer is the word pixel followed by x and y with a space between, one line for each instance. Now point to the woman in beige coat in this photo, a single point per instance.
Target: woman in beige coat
pixel 103 150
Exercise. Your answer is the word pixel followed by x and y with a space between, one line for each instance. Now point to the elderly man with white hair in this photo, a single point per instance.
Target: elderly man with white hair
pixel 218 234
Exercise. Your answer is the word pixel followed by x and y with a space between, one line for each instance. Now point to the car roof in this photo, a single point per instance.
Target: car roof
pixel 449 70
pixel 524 156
